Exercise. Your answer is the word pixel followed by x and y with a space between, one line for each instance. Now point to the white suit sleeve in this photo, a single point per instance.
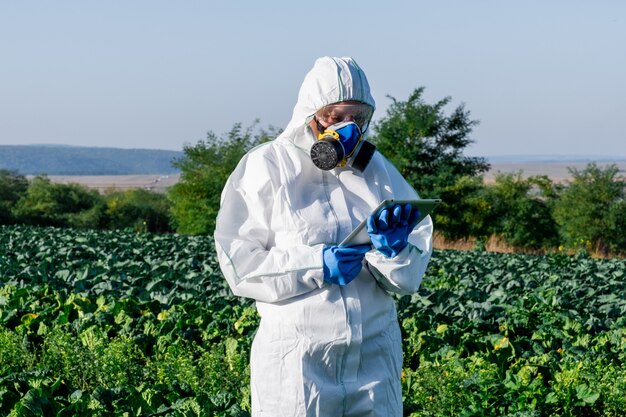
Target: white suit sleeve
pixel 403 273
pixel 253 266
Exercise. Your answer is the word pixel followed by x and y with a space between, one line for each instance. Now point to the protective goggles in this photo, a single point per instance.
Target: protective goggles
pixel 359 113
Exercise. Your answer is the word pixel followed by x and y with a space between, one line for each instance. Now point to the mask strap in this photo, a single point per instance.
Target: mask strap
pixel 320 128
pixel 356 146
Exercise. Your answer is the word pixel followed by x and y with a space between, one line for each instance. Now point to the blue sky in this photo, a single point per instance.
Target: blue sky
pixel 542 77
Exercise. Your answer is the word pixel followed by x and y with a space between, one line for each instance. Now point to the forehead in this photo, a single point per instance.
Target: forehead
pixel 346 106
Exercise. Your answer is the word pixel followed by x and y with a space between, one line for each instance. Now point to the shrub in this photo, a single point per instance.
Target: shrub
pixel 12 187
pixel 62 205
pixel 204 169
pixel 14 357
pixel 138 209
pixel 519 213
pixel 463 211
pixel 616 223
pixel 90 359
pixel 588 210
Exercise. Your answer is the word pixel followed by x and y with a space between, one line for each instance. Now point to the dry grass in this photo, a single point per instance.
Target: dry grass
pixel 498 245
pixel 493 244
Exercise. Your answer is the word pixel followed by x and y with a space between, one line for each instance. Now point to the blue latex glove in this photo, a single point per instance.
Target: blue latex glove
pixel 343 263
pixel 390 228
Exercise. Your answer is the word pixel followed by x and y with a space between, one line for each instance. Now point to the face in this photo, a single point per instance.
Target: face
pixel 345 111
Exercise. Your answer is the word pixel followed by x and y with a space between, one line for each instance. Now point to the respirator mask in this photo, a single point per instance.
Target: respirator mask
pixel 342 144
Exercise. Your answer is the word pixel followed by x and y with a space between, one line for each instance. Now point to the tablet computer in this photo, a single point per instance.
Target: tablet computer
pixel 359 235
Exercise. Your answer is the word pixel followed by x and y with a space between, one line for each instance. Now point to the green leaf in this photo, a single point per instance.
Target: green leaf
pixel 586 394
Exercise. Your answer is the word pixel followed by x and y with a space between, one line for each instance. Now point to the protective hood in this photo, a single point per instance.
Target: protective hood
pixel 331 80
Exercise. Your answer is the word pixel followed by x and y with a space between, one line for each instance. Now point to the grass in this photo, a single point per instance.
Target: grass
pixel 497 245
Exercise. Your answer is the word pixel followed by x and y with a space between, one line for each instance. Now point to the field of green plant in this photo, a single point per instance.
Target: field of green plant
pixel 98 323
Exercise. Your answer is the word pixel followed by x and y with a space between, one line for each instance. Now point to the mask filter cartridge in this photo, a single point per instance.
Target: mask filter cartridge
pixel 340 145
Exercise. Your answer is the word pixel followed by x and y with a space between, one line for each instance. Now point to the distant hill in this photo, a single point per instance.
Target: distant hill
pixel 78 160
pixel 550 159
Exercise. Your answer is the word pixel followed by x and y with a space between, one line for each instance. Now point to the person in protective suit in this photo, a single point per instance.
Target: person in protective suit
pixel 328 342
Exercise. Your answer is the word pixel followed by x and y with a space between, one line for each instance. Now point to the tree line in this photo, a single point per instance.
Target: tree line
pixel 424 142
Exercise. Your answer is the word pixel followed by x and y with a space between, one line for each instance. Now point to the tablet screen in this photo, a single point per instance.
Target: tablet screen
pixel 359 235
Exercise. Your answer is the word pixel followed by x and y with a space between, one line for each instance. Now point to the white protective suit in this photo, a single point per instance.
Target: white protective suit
pixel 321 349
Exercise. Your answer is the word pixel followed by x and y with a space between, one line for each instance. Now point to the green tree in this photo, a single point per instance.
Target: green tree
pixel 141 210
pixel 204 169
pixel 589 209
pixel 62 205
pixel 520 213
pixel 616 219
pixel 12 187
pixel 426 145
pixel 463 212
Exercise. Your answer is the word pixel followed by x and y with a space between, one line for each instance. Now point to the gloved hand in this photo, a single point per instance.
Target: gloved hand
pixel 390 229
pixel 343 263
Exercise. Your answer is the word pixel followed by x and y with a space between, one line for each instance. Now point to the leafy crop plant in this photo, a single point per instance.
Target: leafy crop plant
pixel 114 323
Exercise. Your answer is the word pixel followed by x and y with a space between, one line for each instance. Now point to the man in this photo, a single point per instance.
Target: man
pixel 329 342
